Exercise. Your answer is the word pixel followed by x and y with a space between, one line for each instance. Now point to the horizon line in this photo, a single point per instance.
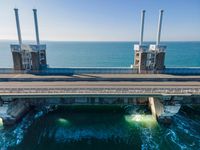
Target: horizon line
pixel 101 40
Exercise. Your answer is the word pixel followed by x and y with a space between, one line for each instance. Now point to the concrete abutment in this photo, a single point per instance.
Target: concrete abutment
pixel 13 111
pixel 162 111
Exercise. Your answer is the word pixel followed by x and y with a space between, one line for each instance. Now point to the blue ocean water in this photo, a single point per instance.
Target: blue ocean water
pixel 106 54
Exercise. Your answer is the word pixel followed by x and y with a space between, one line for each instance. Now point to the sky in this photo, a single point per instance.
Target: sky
pixel 101 20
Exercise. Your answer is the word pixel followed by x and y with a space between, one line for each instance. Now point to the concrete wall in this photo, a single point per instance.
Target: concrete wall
pixel 143 61
pixel 91 70
pixel 105 70
pixel 13 111
pixel 160 61
pixel 35 60
pixel 160 110
pixel 182 70
pixel 43 59
pixel 17 60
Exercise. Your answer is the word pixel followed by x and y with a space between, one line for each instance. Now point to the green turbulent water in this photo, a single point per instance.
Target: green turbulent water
pixel 107 127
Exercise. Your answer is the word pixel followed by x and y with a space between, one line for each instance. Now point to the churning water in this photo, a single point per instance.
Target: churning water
pixel 101 127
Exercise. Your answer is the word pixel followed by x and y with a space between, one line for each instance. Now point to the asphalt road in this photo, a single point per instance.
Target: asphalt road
pixel 38 88
pixel 126 84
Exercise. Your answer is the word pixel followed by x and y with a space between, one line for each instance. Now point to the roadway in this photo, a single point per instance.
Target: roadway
pixel 99 88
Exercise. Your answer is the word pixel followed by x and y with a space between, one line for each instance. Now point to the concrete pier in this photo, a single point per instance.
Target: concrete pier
pixel 13 111
pixel 163 112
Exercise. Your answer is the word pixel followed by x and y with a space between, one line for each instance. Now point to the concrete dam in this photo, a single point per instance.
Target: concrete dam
pixel 31 82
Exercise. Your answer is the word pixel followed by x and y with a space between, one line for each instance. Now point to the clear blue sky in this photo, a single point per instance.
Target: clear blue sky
pixel 101 20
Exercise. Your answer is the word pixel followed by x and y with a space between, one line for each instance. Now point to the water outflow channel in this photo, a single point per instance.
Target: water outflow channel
pixel 101 127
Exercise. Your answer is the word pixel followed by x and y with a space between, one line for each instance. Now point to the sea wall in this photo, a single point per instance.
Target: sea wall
pixel 104 70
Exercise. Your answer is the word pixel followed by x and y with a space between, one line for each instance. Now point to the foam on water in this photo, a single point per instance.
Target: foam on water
pixel 148 139
pixel 185 132
pixel 147 125
pixel 10 137
pixel 141 119
pixel 1 124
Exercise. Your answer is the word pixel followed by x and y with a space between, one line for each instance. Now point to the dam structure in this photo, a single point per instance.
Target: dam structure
pixel 28 57
pixel 31 83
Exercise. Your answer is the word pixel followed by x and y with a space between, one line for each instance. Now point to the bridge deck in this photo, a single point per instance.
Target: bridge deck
pixel 99 88
pixel 98 84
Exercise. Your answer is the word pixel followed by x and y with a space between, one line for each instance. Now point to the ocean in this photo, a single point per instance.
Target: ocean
pixel 106 54
pixel 103 127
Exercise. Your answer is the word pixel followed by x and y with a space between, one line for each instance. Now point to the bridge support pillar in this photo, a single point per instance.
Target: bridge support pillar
pixel 11 112
pixel 163 112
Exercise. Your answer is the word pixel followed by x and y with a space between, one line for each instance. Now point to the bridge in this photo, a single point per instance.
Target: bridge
pixel 94 85
pixel 164 92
